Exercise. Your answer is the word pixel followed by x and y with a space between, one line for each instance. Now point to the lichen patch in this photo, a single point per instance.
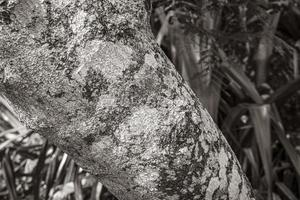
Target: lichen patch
pixel 111 59
pixel 213 185
pixel 148 178
pixel 98 148
pixel 143 122
pixel 77 23
pixel 223 162
pixel 151 61
pixel 233 190
pixel 244 191
pixel 104 102
pixel 61 3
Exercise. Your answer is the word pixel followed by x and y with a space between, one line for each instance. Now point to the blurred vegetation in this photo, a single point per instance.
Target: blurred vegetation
pixel 242 60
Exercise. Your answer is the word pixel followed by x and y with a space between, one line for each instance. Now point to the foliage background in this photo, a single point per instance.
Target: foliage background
pixel 242 60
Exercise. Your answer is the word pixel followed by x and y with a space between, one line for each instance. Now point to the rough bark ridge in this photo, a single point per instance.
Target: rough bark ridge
pixel 87 75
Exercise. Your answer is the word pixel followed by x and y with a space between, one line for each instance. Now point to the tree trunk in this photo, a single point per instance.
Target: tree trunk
pixel 89 77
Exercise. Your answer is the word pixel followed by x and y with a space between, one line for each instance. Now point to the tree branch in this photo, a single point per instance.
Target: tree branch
pixel 89 77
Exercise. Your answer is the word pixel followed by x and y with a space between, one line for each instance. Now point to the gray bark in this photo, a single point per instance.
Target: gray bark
pixel 89 77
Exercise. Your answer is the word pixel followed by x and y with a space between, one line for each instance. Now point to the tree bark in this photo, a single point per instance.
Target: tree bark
pixel 89 77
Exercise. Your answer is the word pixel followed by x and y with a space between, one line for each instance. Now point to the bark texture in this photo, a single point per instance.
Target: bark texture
pixel 88 76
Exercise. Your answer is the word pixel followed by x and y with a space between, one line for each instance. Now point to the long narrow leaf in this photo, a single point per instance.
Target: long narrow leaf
pixel 77 185
pixel 265 48
pixel 249 154
pixel 240 77
pixel 62 166
pixel 96 191
pixel 51 172
pixel 260 116
pixel 286 191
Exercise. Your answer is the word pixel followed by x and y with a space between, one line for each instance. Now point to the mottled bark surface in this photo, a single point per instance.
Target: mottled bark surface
pixel 88 76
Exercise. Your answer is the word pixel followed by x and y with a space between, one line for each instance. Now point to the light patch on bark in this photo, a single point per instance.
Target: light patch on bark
pixel 143 123
pixel 175 113
pixel 219 182
pixel 121 151
pixel 233 189
pixel 244 191
pixel 184 150
pixel 213 185
pixel 105 142
pixel 79 27
pixel 109 58
pixel 86 126
pixel 78 22
pixel 151 61
pixel 196 119
pixel 223 161
pixel 60 31
pixel 105 101
pixel 150 151
pixel 60 3
pixel 86 55
pixel 148 178
pixel 197 151
pixel 98 148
